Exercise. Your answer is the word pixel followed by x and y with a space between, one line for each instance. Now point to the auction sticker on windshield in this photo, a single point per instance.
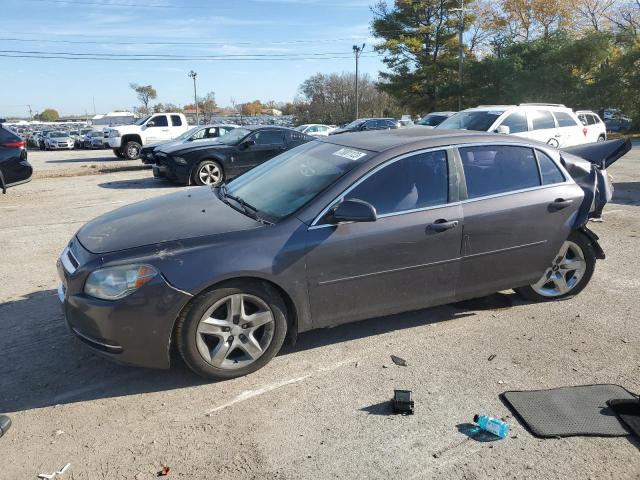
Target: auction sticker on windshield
pixel 350 153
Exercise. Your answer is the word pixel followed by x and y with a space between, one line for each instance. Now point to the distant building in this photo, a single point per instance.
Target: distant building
pixel 274 112
pixel 114 118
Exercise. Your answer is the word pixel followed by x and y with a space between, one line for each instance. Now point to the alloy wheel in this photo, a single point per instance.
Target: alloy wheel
pixel 565 273
pixel 209 174
pixel 235 331
pixel 133 151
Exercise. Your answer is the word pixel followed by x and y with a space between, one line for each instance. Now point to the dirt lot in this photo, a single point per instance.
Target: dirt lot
pixel 317 411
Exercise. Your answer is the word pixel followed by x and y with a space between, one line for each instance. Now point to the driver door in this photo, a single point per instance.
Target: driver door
pixel 407 259
pixel 268 144
pixel 159 131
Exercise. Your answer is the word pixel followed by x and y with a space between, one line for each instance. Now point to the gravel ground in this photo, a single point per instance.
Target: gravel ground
pixel 318 409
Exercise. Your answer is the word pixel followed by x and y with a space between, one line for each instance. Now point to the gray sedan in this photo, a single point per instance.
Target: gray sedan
pixel 336 230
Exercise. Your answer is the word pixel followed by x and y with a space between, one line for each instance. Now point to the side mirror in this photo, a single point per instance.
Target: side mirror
pixel 353 210
pixel 248 143
pixel 503 129
pixel 151 124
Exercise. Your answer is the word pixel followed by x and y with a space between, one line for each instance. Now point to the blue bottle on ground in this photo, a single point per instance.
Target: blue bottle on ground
pixel 493 425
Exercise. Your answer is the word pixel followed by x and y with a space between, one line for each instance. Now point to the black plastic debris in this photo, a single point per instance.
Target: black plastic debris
pixel 5 424
pixel 399 361
pixel 402 402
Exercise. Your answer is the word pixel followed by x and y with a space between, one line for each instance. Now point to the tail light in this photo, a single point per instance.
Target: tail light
pixel 14 144
pixel 584 131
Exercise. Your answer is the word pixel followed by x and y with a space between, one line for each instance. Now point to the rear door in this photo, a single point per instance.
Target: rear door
pixel 543 127
pixel 407 259
pixel 572 132
pixel 517 215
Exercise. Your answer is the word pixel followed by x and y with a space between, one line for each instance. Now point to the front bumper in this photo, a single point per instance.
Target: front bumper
pixel 113 142
pixel 135 330
pixel 61 147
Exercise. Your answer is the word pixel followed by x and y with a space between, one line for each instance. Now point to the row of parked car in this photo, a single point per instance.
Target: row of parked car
pixel 67 139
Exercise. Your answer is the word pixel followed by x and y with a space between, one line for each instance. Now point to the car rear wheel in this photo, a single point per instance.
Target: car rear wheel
pixel 131 150
pixel 233 330
pixel 601 138
pixel 208 173
pixel 569 273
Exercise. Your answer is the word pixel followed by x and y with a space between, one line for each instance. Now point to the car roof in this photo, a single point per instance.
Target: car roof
pixel 265 127
pixel 418 138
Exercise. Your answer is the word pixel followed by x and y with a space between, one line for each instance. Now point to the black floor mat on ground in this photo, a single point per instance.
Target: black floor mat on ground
pixel 629 412
pixel 568 411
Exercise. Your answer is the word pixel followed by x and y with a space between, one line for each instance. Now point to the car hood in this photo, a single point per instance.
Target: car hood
pixel 191 213
pixel 186 147
pixel 127 129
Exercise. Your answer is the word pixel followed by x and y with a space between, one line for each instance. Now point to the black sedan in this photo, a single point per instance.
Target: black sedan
pixel 336 230
pixel 14 167
pixel 364 124
pixel 212 162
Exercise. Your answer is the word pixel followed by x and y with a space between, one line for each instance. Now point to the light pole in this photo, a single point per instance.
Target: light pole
pixel 461 50
pixel 193 75
pixel 357 51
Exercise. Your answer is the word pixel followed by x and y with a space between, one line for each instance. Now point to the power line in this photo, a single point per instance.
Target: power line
pixel 170 56
pixel 120 4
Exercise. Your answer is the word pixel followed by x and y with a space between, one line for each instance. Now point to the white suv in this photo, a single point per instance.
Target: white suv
pixel 553 124
pixel 596 129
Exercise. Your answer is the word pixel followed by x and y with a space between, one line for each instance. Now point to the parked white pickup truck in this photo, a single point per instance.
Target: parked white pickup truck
pixel 127 140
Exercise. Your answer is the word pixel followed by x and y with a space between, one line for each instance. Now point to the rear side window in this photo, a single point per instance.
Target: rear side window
pixel 494 169
pixel 415 182
pixel 176 121
pixel 549 170
pixel 517 122
pixel 583 119
pixel 566 120
pixel 542 119
pixel 294 136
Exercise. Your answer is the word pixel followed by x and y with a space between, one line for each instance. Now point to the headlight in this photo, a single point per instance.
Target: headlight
pixel 180 160
pixel 114 283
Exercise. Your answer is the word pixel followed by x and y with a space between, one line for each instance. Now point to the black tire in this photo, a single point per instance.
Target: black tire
pixel 196 177
pixel 601 138
pixel 589 252
pixel 118 153
pixel 131 150
pixel 189 319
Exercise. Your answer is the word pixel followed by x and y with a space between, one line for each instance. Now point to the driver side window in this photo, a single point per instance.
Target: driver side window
pixel 414 182
pixel 269 137
pixel 160 121
pixel 517 122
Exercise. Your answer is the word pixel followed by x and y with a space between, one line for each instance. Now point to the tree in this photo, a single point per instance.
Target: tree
pixel 419 39
pixel 145 94
pixel 49 115
pixel 166 108
pixel 208 104
pixel 251 109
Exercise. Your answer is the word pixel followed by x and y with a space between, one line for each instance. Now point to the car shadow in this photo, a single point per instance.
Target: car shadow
pixel 112 158
pixel 626 193
pixel 138 184
pixel 42 364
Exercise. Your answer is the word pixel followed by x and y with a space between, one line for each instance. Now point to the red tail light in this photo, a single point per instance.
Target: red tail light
pixel 14 144
pixel 584 131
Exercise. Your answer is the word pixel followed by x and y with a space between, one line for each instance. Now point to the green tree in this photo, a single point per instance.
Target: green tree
pixel 49 115
pixel 145 94
pixel 207 104
pixel 419 39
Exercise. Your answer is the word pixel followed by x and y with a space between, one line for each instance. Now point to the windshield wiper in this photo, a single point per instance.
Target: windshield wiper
pixel 248 209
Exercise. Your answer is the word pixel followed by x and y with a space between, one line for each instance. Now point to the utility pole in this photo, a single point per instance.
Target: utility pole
pixel 94 106
pixel 357 51
pixel 30 113
pixel 193 75
pixel 461 51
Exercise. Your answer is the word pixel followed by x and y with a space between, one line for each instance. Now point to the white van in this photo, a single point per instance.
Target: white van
pixel 553 124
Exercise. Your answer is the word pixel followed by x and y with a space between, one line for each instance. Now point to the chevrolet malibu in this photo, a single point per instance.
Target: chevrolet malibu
pixel 335 230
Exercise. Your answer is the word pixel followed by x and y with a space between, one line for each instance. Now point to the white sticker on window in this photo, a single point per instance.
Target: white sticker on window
pixel 350 153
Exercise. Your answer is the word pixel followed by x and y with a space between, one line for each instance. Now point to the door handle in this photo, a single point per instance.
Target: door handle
pixel 441 225
pixel 559 204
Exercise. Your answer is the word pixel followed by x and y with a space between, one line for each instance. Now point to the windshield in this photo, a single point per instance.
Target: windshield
pixel 354 124
pixel 474 120
pixel 188 133
pixel 301 128
pixel 57 134
pixel 143 120
pixel 432 120
pixel 234 136
pixel 285 183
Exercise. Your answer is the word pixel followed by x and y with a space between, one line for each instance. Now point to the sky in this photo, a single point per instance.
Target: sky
pixel 293 39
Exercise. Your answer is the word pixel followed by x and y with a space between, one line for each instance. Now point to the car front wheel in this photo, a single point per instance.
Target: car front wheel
pixel 131 150
pixel 233 330
pixel 569 273
pixel 208 173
